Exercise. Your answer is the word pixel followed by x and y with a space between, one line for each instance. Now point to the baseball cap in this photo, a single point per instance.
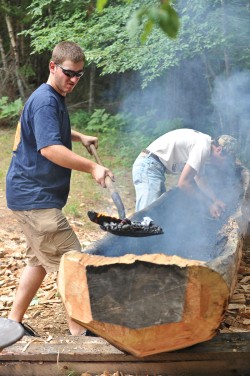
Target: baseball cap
pixel 228 144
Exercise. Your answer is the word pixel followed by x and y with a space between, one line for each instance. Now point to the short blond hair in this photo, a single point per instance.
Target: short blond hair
pixel 67 51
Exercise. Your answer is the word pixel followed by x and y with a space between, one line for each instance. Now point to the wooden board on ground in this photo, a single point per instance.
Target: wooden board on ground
pixel 224 355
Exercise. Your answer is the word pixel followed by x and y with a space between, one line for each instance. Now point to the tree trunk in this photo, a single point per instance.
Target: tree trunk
pixel 91 87
pixel 3 56
pixel 21 43
pixel 210 73
pixel 16 55
pixel 228 113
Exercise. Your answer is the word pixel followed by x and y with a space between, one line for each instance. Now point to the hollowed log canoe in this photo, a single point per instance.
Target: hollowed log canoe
pixel 166 292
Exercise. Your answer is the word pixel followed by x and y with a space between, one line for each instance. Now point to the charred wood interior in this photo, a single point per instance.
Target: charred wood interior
pixel 188 229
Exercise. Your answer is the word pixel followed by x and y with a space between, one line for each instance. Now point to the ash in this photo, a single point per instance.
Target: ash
pixel 132 228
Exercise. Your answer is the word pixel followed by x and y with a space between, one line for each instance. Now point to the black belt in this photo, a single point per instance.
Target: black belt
pixel 152 155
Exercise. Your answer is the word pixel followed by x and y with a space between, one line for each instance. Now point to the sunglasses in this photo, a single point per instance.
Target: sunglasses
pixel 71 73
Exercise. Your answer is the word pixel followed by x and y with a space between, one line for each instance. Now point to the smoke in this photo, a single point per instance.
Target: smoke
pixel 188 231
pixel 206 96
pixel 231 98
pixel 203 91
pixel 181 94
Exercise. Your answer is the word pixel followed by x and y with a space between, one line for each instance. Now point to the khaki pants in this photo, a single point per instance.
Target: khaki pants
pixel 48 236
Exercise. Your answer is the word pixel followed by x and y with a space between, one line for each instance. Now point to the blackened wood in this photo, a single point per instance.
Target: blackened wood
pixel 159 288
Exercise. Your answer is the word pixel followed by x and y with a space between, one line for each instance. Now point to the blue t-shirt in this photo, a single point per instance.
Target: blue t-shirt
pixel 33 182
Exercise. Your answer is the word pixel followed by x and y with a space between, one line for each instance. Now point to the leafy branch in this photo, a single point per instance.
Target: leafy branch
pixel 164 16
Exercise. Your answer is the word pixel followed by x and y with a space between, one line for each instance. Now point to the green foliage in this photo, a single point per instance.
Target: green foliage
pixel 100 4
pixel 79 119
pixel 215 33
pixel 103 35
pixel 102 122
pixel 207 29
pixel 8 109
pixel 165 17
pixel 98 122
pixel 27 71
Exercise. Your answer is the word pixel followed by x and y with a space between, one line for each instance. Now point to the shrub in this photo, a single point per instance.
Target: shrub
pixel 79 119
pixel 102 122
pixel 10 110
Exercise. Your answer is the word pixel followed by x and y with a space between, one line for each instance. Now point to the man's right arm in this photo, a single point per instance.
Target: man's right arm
pixel 186 179
pixel 64 157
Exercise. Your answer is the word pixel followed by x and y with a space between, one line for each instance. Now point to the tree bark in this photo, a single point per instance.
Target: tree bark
pixel 227 110
pixel 16 55
pixel 2 52
pixel 210 73
pixel 91 87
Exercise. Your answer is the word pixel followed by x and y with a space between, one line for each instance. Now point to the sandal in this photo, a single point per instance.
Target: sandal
pixel 28 331
pixel 88 333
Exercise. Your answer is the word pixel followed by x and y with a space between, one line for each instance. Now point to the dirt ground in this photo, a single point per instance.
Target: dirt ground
pixel 46 313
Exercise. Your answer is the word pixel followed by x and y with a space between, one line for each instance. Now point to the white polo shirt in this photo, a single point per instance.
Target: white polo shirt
pixel 181 146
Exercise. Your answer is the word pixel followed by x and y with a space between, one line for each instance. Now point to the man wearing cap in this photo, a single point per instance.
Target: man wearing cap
pixel 184 152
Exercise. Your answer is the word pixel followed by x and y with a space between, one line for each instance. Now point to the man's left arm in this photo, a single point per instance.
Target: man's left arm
pixel 217 206
pixel 189 181
pixel 84 139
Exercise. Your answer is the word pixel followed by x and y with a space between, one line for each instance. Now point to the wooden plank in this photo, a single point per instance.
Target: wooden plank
pixel 69 348
pixel 206 368
pixel 224 355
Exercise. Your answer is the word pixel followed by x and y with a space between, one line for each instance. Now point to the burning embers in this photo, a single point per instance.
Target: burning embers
pixel 125 227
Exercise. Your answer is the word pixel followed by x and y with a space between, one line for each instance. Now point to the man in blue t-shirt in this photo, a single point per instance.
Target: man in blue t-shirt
pixel 38 179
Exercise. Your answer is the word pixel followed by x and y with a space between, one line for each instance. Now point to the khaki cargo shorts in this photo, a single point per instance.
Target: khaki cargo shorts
pixel 48 236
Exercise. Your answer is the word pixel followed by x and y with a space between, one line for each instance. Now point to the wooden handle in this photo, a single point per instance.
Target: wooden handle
pixel 108 180
pixel 110 185
pixel 94 152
